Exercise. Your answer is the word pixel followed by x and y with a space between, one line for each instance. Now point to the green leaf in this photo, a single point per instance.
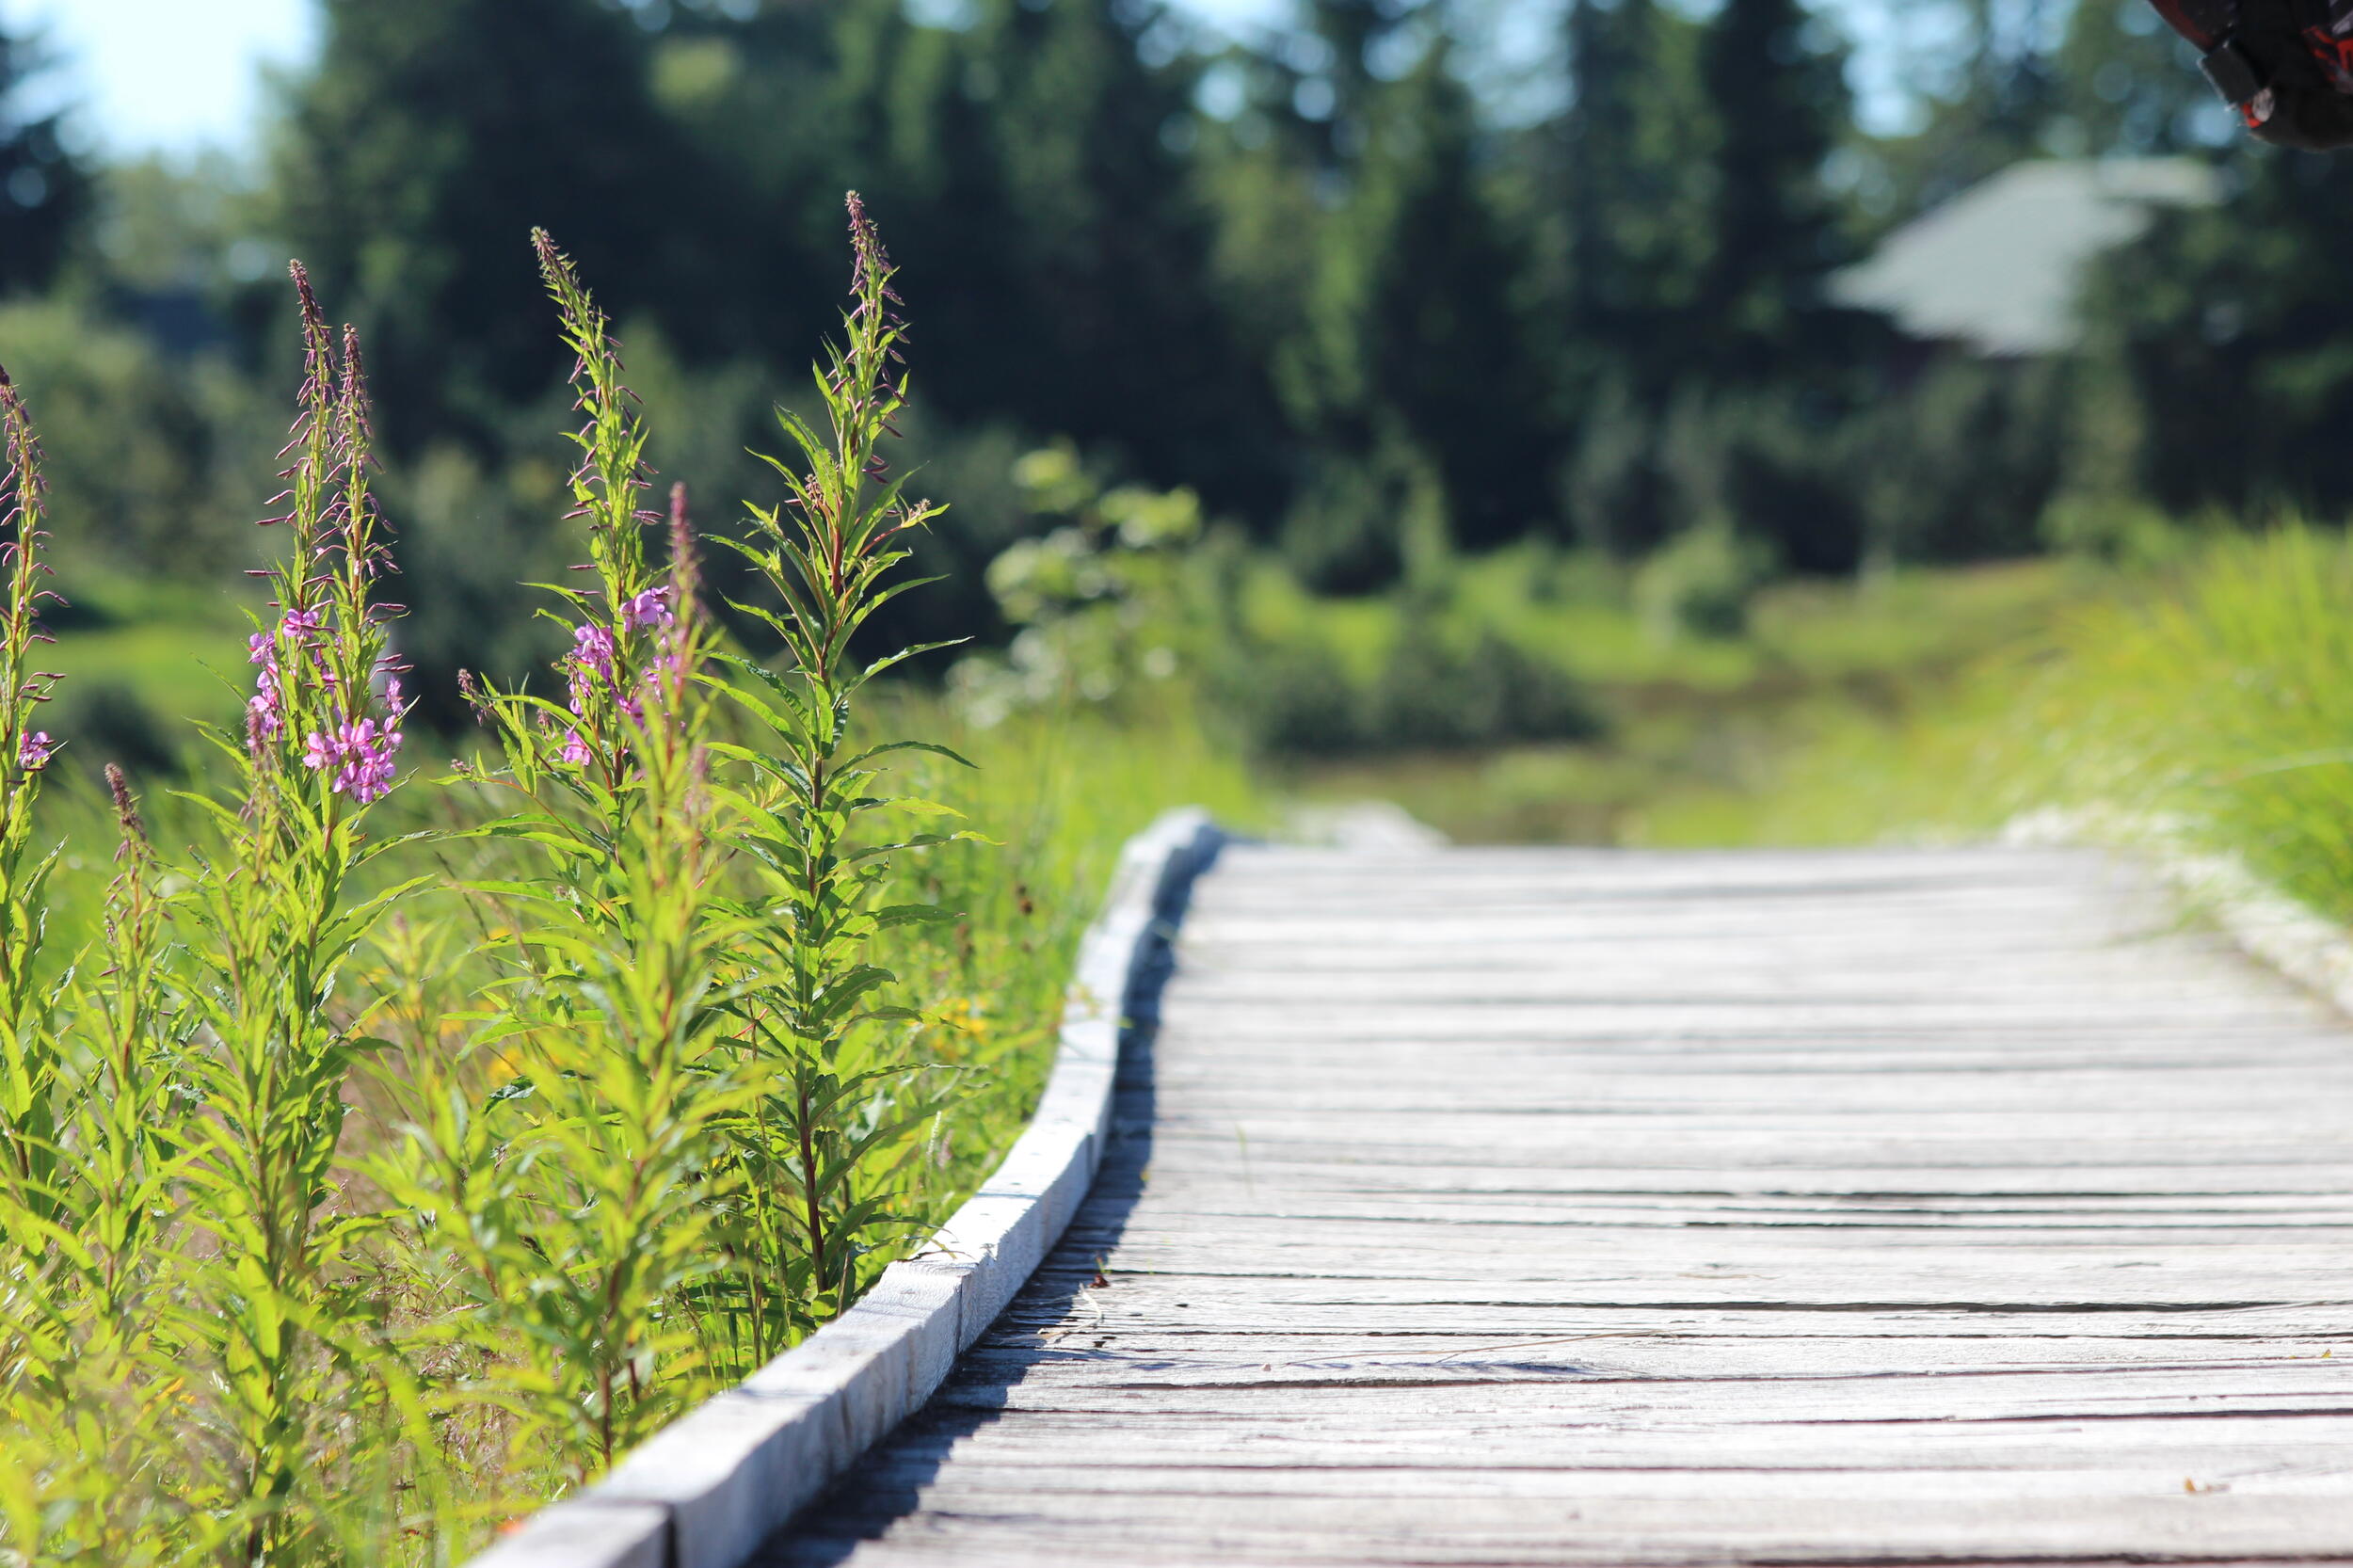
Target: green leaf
pixel 914 914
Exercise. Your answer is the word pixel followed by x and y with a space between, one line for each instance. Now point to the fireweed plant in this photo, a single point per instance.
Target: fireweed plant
pixel 570 1200
pixel 86 1364
pixel 818 1149
pixel 27 1047
pixel 689 1128
pixel 573 1199
pixel 277 916
pixel 98 1397
pixel 187 1373
pixel 82 1345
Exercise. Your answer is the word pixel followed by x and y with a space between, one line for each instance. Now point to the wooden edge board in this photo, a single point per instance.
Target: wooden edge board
pixel 705 1490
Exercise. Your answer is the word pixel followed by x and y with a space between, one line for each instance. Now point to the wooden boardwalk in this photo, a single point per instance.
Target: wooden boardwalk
pixel 1521 1207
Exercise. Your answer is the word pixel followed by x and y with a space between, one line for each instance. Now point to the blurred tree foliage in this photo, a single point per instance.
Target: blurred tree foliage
pixel 1369 308
pixel 1629 189
pixel 1777 87
pixel 411 156
pixel 44 190
pixel 1417 350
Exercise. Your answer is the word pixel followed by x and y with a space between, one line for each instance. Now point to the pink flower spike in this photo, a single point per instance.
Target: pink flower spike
pixel 648 609
pixel 360 754
pixel 367 771
pixel 262 722
pixel 594 650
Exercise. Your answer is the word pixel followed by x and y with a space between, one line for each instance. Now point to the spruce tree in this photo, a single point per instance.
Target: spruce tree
pixel 430 138
pixel 1418 334
pixel 1032 168
pixel 1779 92
pixel 1635 151
pixel 2002 104
pixel 2126 82
pixel 2222 337
pixel 1353 31
pixel 44 191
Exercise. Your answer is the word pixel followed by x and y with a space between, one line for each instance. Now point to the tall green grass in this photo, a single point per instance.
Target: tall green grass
pixel 2210 699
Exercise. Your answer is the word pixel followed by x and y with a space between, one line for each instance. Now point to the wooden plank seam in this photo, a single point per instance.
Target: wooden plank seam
pixel 706 1490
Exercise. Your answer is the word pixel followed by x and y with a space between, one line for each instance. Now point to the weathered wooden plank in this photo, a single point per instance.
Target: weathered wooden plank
pixel 1221 1525
pixel 1485 1207
pixel 2248 1446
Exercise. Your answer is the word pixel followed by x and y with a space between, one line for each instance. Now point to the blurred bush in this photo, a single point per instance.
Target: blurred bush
pixel 1127 590
pixel 156 463
pixel 1700 583
pixel 1439 690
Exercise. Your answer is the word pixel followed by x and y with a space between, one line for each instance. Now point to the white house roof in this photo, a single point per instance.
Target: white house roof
pixel 1997 268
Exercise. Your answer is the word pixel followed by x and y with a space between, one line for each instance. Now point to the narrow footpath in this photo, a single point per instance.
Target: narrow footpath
pixel 1589 1207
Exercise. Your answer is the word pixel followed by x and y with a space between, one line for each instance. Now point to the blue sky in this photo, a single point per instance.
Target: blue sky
pixel 177 74
pixel 167 74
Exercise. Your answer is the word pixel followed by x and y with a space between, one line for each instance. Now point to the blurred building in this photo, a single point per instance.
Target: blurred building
pixel 1996 272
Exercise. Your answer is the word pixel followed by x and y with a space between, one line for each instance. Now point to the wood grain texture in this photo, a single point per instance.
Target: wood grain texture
pixel 1524 1206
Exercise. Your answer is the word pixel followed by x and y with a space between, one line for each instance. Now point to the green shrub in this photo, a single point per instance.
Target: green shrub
pixel 1701 583
pixel 1434 693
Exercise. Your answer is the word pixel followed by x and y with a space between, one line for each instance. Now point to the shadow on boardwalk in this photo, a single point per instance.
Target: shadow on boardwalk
pixel 1050 1320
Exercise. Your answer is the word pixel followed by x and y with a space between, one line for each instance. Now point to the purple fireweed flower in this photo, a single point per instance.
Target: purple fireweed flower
pixel 367 774
pixel 263 720
pixel 575 749
pixel 648 609
pixel 594 650
pixel 360 753
pixel 593 659
pixel 34 751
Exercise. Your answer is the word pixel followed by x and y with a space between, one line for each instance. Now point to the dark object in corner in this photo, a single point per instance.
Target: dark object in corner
pixel 2286 65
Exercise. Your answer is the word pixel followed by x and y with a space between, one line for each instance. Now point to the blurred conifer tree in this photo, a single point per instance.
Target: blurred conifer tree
pixel 1990 100
pixel 2227 333
pixel 429 140
pixel 2125 83
pixel 1775 78
pixel 44 190
pixel 1417 329
pixel 1117 339
pixel 1636 193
